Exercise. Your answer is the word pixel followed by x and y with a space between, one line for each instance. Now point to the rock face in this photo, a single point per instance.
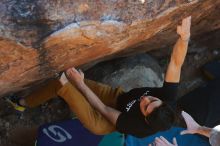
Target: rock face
pixel 128 72
pixel 41 38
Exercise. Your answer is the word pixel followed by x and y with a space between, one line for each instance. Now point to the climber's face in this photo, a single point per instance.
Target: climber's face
pixel 148 104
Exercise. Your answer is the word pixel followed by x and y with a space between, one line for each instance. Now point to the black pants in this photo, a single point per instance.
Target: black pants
pixel 203 104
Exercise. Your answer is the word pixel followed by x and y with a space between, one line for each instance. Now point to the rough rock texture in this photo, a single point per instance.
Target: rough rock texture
pixel 41 38
pixel 128 72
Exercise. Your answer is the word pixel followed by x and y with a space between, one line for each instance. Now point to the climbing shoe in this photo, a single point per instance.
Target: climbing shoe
pixel 14 101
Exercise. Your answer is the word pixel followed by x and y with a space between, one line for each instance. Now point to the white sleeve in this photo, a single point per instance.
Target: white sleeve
pixel 214 139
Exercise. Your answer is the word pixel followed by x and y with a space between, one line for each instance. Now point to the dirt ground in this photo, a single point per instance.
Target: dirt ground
pixel 57 110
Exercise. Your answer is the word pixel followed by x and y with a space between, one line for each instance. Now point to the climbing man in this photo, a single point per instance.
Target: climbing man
pixel 102 109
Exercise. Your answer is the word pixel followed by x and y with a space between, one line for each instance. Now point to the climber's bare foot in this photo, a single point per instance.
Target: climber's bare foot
pixel 63 80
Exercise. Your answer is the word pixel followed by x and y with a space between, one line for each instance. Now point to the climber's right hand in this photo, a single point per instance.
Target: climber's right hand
pixel 184 29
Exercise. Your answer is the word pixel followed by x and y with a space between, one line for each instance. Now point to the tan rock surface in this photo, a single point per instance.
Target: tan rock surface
pixel 41 38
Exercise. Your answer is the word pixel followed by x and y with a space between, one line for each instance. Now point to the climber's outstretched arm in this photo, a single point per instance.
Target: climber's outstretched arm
pixel 77 79
pixel 179 52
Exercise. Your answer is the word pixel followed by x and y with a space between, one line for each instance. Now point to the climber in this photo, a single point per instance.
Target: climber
pixel 203 105
pixel 102 109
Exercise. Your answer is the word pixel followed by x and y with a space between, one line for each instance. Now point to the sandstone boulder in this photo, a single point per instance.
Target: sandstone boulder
pixel 41 38
pixel 128 72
